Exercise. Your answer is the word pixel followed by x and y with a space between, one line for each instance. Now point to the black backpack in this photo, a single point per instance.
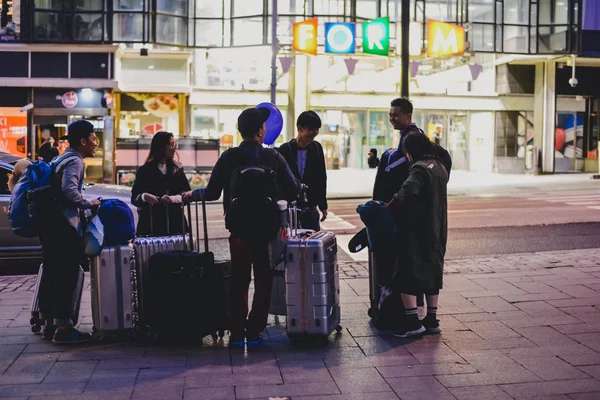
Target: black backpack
pixel 253 194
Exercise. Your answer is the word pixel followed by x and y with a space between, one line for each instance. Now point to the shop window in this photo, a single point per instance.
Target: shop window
pixel 142 115
pixel 172 7
pixel 15 64
pixel 569 134
pixel 446 10
pixel 481 37
pixel 515 39
pixel 49 65
pixel 329 7
pixel 479 11
pixel 209 9
pixel 129 5
pixel 293 7
pixel 171 30
pixel 128 27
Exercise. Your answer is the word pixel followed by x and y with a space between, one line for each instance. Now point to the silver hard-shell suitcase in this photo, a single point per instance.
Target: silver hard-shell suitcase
pixel 113 289
pixel 312 285
pixel 35 321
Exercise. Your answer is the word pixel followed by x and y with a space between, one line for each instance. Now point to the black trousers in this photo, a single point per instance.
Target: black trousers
pixel 62 253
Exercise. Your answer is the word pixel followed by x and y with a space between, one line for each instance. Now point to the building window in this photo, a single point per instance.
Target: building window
pixel 514 132
pixel 70 21
pixel 130 21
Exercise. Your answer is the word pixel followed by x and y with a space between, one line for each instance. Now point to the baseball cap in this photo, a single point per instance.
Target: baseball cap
pixel 251 120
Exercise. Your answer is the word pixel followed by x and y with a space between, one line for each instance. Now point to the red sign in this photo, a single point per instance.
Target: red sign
pixel 13 132
pixel 69 99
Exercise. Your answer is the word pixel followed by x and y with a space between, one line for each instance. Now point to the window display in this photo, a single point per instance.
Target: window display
pixel 13 131
pixel 142 114
pixel 9 20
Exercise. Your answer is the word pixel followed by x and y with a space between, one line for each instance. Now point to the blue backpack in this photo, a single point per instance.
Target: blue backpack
pixel 32 196
pixel 118 222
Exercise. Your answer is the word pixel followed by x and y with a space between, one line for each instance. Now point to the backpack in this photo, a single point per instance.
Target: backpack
pixel 33 196
pixel 118 222
pixel 253 194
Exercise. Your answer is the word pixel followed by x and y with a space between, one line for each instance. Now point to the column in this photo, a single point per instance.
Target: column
pixel 299 95
pixel 545 114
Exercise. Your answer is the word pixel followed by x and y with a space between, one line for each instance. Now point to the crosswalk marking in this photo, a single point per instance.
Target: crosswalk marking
pixel 591 201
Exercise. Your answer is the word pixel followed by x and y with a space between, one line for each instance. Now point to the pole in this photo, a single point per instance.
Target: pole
pixel 274 49
pixel 405 66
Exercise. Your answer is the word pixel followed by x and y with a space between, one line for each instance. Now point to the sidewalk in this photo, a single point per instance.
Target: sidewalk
pixel 358 183
pixel 514 327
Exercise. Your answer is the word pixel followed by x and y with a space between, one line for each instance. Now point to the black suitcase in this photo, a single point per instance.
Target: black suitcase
pixel 186 292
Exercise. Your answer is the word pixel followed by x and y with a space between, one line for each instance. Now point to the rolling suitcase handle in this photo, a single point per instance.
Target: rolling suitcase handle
pixel 204 226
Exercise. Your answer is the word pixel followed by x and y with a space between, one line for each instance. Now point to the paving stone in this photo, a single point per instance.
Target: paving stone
pixel 489 344
pixel 42 389
pixel 514 298
pixel 160 390
pixel 220 393
pixel 579 291
pixel 493 304
pixel 576 302
pixel 545 336
pixel 434 355
pixel 425 370
pixel 548 397
pixel 575 350
pixel 291 389
pixel 492 330
pixel 570 329
pixel 95 352
pixel 304 371
pixel 553 387
pixel 71 371
pixel 592 370
pixel 583 312
pixel 551 368
pixel 493 316
pixel 534 287
pixel 591 340
pixel 29 368
pixel 487 378
pixel 8 354
pixel 590 358
pixel 486 392
pixel 352 396
pixel 585 396
pixel 145 362
pixel 219 380
pixel 358 380
pixel 541 321
pixel 538 308
pixel 418 388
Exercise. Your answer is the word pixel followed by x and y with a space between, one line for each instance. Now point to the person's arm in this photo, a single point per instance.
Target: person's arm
pixel 411 188
pixel 216 183
pixel 379 185
pixel 322 184
pixel 290 185
pixel 139 184
pixel 182 184
pixel 71 174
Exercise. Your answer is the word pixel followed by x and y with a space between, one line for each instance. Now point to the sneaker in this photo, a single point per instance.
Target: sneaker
pixel 236 340
pixel 432 325
pixel 70 335
pixel 410 328
pixel 48 332
pixel 253 340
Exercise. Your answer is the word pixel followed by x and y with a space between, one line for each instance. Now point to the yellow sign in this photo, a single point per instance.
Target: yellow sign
pixel 444 39
pixel 305 36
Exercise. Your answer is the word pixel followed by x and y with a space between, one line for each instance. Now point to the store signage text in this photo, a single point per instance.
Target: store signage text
pixel 444 39
pixel 376 36
pixel 340 37
pixel 305 36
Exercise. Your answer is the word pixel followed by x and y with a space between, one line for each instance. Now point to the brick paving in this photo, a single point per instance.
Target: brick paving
pixel 521 326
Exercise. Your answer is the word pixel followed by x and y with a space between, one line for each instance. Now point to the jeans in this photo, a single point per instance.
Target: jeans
pixel 245 256
pixel 62 253
pixel 309 218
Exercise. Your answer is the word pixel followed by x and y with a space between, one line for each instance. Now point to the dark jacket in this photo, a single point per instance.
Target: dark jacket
pixel 149 179
pixel 315 174
pixel 422 206
pixel 248 153
pixel 390 176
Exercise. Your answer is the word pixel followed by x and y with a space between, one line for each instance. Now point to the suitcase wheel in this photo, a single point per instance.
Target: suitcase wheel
pixel 371 313
pixel 36 328
pixel 338 328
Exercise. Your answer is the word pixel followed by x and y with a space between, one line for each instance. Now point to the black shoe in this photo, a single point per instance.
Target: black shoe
pixel 69 335
pixel 410 328
pixel 48 332
pixel 432 325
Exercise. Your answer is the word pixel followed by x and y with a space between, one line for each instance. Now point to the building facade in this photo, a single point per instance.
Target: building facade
pixel 503 103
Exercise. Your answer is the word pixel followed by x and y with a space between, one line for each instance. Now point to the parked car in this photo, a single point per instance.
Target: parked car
pixel 13 247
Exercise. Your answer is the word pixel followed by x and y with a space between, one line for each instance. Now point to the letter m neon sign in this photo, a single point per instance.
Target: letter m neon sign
pixel 444 39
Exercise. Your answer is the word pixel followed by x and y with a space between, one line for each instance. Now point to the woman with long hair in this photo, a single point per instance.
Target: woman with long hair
pixel 157 189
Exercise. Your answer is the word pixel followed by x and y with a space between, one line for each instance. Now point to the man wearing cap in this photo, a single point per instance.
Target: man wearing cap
pixel 62 246
pixel 248 252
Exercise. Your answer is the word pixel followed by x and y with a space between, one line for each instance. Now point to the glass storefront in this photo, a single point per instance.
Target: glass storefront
pixel 10 15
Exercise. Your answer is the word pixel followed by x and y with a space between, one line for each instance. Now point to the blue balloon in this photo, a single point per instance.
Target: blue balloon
pixel 274 123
